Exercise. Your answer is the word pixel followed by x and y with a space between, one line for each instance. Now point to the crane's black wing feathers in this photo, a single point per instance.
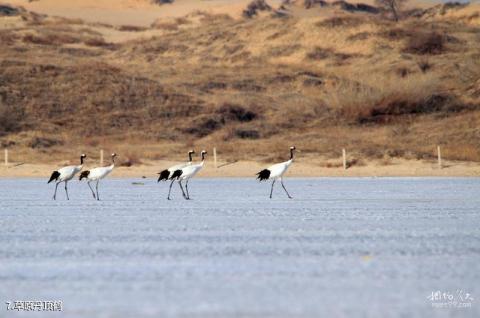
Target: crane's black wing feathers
pixel 84 174
pixel 54 176
pixel 176 174
pixel 263 175
pixel 163 175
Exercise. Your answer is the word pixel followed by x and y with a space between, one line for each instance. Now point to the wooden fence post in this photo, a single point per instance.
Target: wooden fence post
pixel 101 156
pixel 215 157
pixel 6 156
pixel 439 152
pixel 344 154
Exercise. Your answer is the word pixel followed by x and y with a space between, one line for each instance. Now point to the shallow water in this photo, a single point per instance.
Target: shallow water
pixel 352 247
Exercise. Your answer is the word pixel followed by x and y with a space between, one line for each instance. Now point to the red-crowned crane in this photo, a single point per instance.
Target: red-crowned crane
pixel 187 173
pixel 167 173
pixel 276 172
pixel 66 174
pixel 96 174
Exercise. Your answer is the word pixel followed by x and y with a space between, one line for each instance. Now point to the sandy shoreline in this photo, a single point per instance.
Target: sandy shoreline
pixel 400 168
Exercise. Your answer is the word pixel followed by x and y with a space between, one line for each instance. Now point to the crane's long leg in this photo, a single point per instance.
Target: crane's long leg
pixel 93 193
pixel 98 197
pixel 66 190
pixel 181 187
pixel 186 188
pixel 283 186
pixel 170 190
pixel 271 190
pixel 55 194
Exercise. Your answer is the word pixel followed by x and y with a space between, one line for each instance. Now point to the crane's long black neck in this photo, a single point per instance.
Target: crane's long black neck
pixel 113 160
pixel 203 156
pixel 291 154
pixel 81 160
pixel 190 156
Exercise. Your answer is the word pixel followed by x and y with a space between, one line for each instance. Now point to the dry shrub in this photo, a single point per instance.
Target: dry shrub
pixel 323 53
pixel 355 162
pixel 319 53
pixel 387 98
pixel 167 26
pixel 333 164
pixel 398 33
pixel 255 6
pixel 132 28
pixel 307 4
pixel 283 50
pixel 403 71
pixel 44 142
pixel 465 152
pixel 213 85
pixel 6 10
pixel 341 21
pixel 426 43
pixel 50 39
pixel 359 36
pixel 10 118
pixel 160 2
pixel 385 161
pixel 234 112
pixel 131 159
pixel 100 42
pixel 247 133
pixel 7 37
pixel 247 85
pixel 424 65
pixel 204 125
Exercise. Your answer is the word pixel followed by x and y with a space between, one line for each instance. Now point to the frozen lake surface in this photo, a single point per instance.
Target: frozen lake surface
pixel 353 247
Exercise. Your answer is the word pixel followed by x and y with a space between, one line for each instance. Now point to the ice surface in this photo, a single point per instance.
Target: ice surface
pixel 353 247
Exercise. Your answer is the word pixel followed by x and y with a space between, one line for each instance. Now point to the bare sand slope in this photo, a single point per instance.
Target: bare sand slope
pixel 131 12
pixel 404 168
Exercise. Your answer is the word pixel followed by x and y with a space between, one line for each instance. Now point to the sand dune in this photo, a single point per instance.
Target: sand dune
pixel 144 12
pixel 135 12
pixel 249 87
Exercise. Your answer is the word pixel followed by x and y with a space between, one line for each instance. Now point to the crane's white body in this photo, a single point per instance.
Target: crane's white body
pixel 67 173
pixel 278 170
pixel 180 166
pixel 189 171
pixel 100 173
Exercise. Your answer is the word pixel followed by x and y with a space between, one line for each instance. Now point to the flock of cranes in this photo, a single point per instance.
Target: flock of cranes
pixel 179 173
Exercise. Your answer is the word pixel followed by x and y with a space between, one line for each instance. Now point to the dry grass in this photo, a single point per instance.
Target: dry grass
pixel 10 118
pixel 251 87
pixel 383 99
pixel 426 43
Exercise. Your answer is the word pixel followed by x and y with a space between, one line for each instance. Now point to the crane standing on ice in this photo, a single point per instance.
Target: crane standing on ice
pixel 167 173
pixel 65 174
pixel 96 174
pixel 276 172
pixel 187 173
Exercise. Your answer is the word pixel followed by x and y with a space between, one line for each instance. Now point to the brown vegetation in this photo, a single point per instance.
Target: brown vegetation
pixel 249 86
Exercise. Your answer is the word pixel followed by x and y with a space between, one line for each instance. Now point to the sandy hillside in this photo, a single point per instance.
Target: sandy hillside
pixel 133 12
pixel 320 78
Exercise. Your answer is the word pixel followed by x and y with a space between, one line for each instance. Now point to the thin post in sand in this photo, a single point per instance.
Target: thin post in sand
pixel 215 157
pixel 6 156
pixel 344 154
pixel 439 153
pixel 101 156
